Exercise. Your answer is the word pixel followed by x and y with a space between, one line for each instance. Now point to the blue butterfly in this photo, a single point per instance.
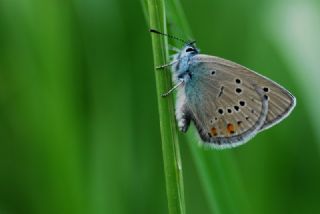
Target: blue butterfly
pixel 228 103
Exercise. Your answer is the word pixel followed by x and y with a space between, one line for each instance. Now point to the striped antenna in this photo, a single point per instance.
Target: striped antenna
pixel 169 36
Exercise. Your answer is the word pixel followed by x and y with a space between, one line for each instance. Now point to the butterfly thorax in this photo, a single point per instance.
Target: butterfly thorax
pixel 180 69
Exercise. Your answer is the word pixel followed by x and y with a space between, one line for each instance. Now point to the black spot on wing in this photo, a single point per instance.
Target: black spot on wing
pixel 221 91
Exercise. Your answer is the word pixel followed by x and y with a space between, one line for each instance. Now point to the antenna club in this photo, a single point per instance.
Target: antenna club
pixel 154 31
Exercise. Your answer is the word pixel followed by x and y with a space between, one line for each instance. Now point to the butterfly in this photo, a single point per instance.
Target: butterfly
pixel 228 103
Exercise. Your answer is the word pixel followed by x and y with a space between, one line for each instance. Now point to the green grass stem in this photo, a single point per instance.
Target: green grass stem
pixel 170 144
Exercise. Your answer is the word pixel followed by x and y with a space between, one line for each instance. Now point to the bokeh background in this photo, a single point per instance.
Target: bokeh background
pixel 79 127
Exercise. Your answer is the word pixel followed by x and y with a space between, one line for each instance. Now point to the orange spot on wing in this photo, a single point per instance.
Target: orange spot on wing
pixel 230 128
pixel 214 131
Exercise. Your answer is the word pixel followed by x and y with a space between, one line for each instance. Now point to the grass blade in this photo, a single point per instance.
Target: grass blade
pixel 170 144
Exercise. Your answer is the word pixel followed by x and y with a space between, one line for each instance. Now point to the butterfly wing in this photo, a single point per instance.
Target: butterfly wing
pixel 229 103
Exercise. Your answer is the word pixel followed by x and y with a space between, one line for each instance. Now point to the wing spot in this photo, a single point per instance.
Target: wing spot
pixel 248 118
pixel 242 103
pixel 252 111
pixel 265 89
pixel 238 90
pixel 230 128
pixel 229 110
pixel 221 91
pixel 239 123
pixel 220 111
pixel 266 97
pixel 214 131
pixel 236 108
pixel 213 72
pixel 238 81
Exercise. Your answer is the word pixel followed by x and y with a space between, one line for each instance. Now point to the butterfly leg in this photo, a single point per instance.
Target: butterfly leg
pixel 173 48
pixel 172 89
pixel 167 65
pixel 173 56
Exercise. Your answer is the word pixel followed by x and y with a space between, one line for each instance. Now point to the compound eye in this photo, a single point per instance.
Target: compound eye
pixel 189 50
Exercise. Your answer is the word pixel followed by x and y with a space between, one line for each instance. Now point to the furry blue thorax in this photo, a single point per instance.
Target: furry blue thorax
pixel 180 69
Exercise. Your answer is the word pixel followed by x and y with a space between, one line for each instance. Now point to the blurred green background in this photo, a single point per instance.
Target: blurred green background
pixel 79 128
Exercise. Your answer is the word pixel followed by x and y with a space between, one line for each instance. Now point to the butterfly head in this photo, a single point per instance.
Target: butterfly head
pixel 189 50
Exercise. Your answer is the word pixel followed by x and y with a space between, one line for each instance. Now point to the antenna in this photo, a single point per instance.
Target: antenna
pixel 169 36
